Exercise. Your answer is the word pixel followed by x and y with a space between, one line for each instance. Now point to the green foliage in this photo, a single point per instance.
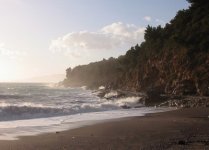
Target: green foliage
pixel 186 37
pixel 190 27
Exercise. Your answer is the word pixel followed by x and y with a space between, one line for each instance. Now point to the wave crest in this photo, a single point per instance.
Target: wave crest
pixel 26 111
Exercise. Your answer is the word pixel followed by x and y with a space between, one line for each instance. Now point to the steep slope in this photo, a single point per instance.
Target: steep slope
pixel 172 60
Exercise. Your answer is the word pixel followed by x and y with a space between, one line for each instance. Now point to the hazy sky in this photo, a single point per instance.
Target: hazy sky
pixel 43 37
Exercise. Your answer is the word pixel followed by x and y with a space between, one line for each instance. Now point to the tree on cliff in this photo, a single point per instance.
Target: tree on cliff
pixel 174 58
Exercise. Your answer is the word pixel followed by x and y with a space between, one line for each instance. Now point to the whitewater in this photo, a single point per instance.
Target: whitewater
pixel 35 108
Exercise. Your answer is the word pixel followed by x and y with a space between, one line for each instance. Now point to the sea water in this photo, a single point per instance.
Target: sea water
pixel 35 108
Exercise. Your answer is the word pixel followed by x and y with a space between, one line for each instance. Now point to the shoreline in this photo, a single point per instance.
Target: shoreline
pixel 38 126
pixel 155 98
pixel 178 129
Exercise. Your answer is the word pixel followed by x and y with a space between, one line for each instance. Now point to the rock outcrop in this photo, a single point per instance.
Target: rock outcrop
pixel 173 60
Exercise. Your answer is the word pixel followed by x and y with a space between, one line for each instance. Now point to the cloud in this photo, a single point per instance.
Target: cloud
pixel 12 54
pixel 111 37
pixel 160 22
pixel 148 18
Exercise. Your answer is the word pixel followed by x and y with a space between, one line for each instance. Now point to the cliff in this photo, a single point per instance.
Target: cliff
pixel 173 60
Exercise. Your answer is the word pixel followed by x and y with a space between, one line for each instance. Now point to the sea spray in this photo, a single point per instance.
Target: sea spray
pixel 28 109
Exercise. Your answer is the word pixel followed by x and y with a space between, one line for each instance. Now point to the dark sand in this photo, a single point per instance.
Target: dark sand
pixel 180 129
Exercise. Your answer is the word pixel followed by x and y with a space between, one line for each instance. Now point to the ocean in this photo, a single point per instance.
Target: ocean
pixel 35 108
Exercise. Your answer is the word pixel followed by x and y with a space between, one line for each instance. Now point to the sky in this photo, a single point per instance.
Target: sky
pixel 45 37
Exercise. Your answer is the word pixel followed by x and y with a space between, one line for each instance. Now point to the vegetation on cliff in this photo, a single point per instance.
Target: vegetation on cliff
pixel 173 59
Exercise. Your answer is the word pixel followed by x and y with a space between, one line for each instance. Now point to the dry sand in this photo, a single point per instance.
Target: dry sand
pixel 179 129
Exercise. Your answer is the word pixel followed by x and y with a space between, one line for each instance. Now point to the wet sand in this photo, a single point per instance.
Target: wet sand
pixel 179 129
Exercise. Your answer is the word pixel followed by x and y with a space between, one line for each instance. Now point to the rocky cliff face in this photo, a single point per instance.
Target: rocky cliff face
pixel 171 74
pixel 173 60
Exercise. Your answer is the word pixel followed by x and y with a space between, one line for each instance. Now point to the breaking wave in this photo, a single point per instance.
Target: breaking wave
pixel 28 101
pixel 28 110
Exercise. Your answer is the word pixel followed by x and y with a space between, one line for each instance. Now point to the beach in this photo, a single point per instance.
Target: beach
pixel 186 128
pixel 104 75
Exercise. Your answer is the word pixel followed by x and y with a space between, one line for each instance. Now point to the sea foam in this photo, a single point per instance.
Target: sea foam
pixel 28 109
